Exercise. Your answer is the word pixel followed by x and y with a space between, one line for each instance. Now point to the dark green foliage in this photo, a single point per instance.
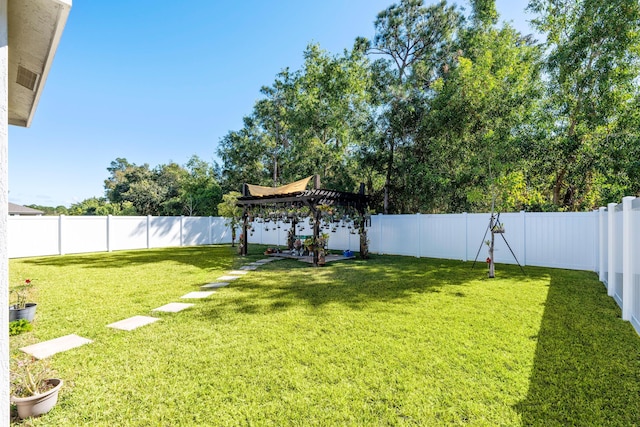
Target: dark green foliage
pixel 445 112
pixel 50 210
pixel 168 189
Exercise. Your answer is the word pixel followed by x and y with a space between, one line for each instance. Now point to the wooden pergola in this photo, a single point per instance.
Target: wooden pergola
pixel 317 200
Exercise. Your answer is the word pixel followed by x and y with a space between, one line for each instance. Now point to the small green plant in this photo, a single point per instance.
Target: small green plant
pixel 22 292
pixel 308 243
pixel 29 377
pixel 19 326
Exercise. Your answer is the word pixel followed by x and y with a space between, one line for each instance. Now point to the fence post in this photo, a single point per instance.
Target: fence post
pixel 209 241
pixel 109 233
pixel 380 251
pixel 601 244
pixel 465 216
pixel 60 231
pixel 611 278
pixel 181 230
pixel 523 215
pixel 418 246
pixel 148 231
pixel 627 271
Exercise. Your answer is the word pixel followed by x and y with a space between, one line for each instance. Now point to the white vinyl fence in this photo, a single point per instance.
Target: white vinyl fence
pixel 606 241
pixel 59 235
pixel 619 255
pixel 562 240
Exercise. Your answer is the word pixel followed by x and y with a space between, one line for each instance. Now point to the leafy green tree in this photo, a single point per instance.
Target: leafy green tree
pixel 168 189
pixel 306 123
pixel 228 209
pixel 414 41
pixel 201 192
pixel 49 210
pixel 94 206
pixel 592 71
pixel 244 155
pixel 477 116
pixel 169 180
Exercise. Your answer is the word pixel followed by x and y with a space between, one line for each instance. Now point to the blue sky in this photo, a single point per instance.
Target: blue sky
pixel 156 81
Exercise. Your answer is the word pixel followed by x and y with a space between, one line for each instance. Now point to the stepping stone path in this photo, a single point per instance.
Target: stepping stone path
pixel 215 285
pixel 133 323
pixel 173 307
pixel 198 294
pixel 49 348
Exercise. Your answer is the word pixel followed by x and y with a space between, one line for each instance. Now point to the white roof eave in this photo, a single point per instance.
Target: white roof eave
pixel 35 28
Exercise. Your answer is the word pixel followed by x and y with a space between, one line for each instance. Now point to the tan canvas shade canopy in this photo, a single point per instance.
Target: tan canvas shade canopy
pixel 294 187
pixel 296 196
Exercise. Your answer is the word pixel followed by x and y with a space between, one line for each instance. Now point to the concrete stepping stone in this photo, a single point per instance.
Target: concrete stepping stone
pixel 49 348
pixel 237 272
pixel 227 278
pixel 133 322
pixel 215 285
pixel 249 267
pixel 198 294
pixel 173 307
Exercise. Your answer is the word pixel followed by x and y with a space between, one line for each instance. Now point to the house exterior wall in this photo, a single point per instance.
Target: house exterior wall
pixel 4 214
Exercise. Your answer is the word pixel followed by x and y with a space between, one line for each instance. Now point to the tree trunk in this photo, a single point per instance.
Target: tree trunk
pixel 387 183
pixel 558 186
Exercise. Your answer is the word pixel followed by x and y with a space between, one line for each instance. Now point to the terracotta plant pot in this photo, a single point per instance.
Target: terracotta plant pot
pixel 39 404
pixel 27 313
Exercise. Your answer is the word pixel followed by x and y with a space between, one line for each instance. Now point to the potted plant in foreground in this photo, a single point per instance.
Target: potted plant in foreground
pixel 34 390
pixel 22 309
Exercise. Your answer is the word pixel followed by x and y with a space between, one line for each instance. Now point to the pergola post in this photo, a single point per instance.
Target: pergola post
pixel 245 240
pixel 364 251
pixel 316 235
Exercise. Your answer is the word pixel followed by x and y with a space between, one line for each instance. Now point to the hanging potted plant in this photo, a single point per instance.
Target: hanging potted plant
pixel 34 388
pixel 22 309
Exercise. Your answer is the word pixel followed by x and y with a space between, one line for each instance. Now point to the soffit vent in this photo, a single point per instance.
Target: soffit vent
pixel 27 78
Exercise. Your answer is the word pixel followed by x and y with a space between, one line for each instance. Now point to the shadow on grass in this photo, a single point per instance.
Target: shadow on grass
pixel 587 363
pixel 355 283
pixel 219 257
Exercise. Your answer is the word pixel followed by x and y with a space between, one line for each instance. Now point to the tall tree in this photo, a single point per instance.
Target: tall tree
pixel 232 212
pixel 168 189
pixel 201 192
pixel 413 40
pixel 593 69
pixel 306 123
pixel 479 107
pixel 244 155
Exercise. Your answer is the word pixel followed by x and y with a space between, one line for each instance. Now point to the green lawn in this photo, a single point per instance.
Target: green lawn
pixel 387 341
